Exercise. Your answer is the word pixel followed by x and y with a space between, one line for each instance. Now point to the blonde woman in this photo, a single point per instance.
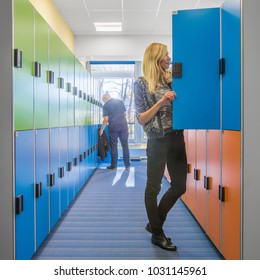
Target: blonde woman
pixel 165 145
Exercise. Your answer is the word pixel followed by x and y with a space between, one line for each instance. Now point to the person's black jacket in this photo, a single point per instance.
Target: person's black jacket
pixel 103 145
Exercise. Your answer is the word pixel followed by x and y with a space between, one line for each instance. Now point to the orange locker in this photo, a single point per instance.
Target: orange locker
pixel 213 181
pixel 200 171
pixel 231 170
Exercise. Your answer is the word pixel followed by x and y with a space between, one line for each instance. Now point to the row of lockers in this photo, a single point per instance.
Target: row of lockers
pixel 213 191
pixel 213 186
pixel 51 87
pixel 51 166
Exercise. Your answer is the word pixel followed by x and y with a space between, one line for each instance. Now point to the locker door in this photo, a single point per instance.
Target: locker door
pixel 40 83
pixel 63 79
pixel 70 84
pixel 232 197
pixel 231 51
pixel 53 177
pixel 53 74
pixel 63 172
pixel 213 174
pixel 23 76
pixel 24 192
pixel 70 164
pixel 196 44
pixel 41 184
pixel 201 171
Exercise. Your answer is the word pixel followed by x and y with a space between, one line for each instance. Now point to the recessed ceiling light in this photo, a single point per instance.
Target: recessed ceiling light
pixel 108 26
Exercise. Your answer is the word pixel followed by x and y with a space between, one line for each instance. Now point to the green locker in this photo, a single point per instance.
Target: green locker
pixel 52 77
pixel 70 84
pixel 77 91
pixel 23 60
pixel 40 70
pixel 63 77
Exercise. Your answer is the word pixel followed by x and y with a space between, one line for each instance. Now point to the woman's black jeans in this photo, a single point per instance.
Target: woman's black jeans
pixel 168 150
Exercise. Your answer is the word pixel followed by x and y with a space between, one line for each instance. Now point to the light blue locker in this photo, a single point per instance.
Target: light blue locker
pixel 63 173
pixel 24 194
pixel 231 52
pixel 41 184
pixel 53 176
pixel 196 45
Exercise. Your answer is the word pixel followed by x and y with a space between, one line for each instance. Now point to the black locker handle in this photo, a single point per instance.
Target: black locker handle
pixel 189 167
pixel 69 166
pixel 75 161
pixel 61 172
pixel 80 93
pixel 61 82
pixel 80 158
pixel 19 204
pixel 50 77
pixel 38 189
pixel 37 69
pixel 75 90
pixel 68 87
pixel 18 58
pixel 85 154
pixel 222 66
pixel 196 174
pixel 52 179
pixel 206 182
pixel 221 193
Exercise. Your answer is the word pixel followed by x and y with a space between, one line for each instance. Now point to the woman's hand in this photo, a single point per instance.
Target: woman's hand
pixel 169 95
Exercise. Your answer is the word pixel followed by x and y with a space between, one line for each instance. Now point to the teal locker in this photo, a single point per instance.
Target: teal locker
pixel 24 195
pixel 41 185
pixel 63 79
pixel 77 91
pixel 53 176
pixel 23 60
pixel 231 52
pixel 40 69
pixel 52 76
pixel 196 51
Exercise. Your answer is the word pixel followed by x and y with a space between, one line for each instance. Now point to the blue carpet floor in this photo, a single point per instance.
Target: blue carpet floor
pixel 106 222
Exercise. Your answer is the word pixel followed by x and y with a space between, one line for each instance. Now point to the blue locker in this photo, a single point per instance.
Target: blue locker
pixel 81 157
pixel 231 52
pixel 63 173
pixel 53 177
pixel 70 167
pixel 76 158
pixel 24 192
pixel 196 45
pixel 85 152
pixel 41 184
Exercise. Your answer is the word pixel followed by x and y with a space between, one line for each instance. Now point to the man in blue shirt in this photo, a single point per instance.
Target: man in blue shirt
pixel 114 115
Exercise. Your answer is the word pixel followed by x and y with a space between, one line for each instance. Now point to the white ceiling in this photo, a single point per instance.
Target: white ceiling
pixel 139 17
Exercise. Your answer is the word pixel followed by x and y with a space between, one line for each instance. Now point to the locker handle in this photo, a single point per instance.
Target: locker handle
pixel 18 58
pixel 50 77
pixel 222 66
pixel 80 158
pixel 68 87
pixel 69 166
pixel 61 82
pixel 85 154
pixel 61 172
pixel 19 204
pixel 75 90
pixel 80 93
pixel 196 174
pixel 189 167
pixel 37 69
pixel 75 161
pixel 206 182
pixel 38 189
pixel 221 193
pixel 84 96
pixel 51 179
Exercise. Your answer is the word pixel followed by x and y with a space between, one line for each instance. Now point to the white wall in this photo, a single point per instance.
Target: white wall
pixel 116 47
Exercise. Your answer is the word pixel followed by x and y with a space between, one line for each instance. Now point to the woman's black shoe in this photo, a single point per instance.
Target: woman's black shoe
pixel 163 242
pixel 111 167
pixel 149 229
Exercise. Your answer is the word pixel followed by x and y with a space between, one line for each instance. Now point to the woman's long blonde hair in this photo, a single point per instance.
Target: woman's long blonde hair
pixel 151 66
